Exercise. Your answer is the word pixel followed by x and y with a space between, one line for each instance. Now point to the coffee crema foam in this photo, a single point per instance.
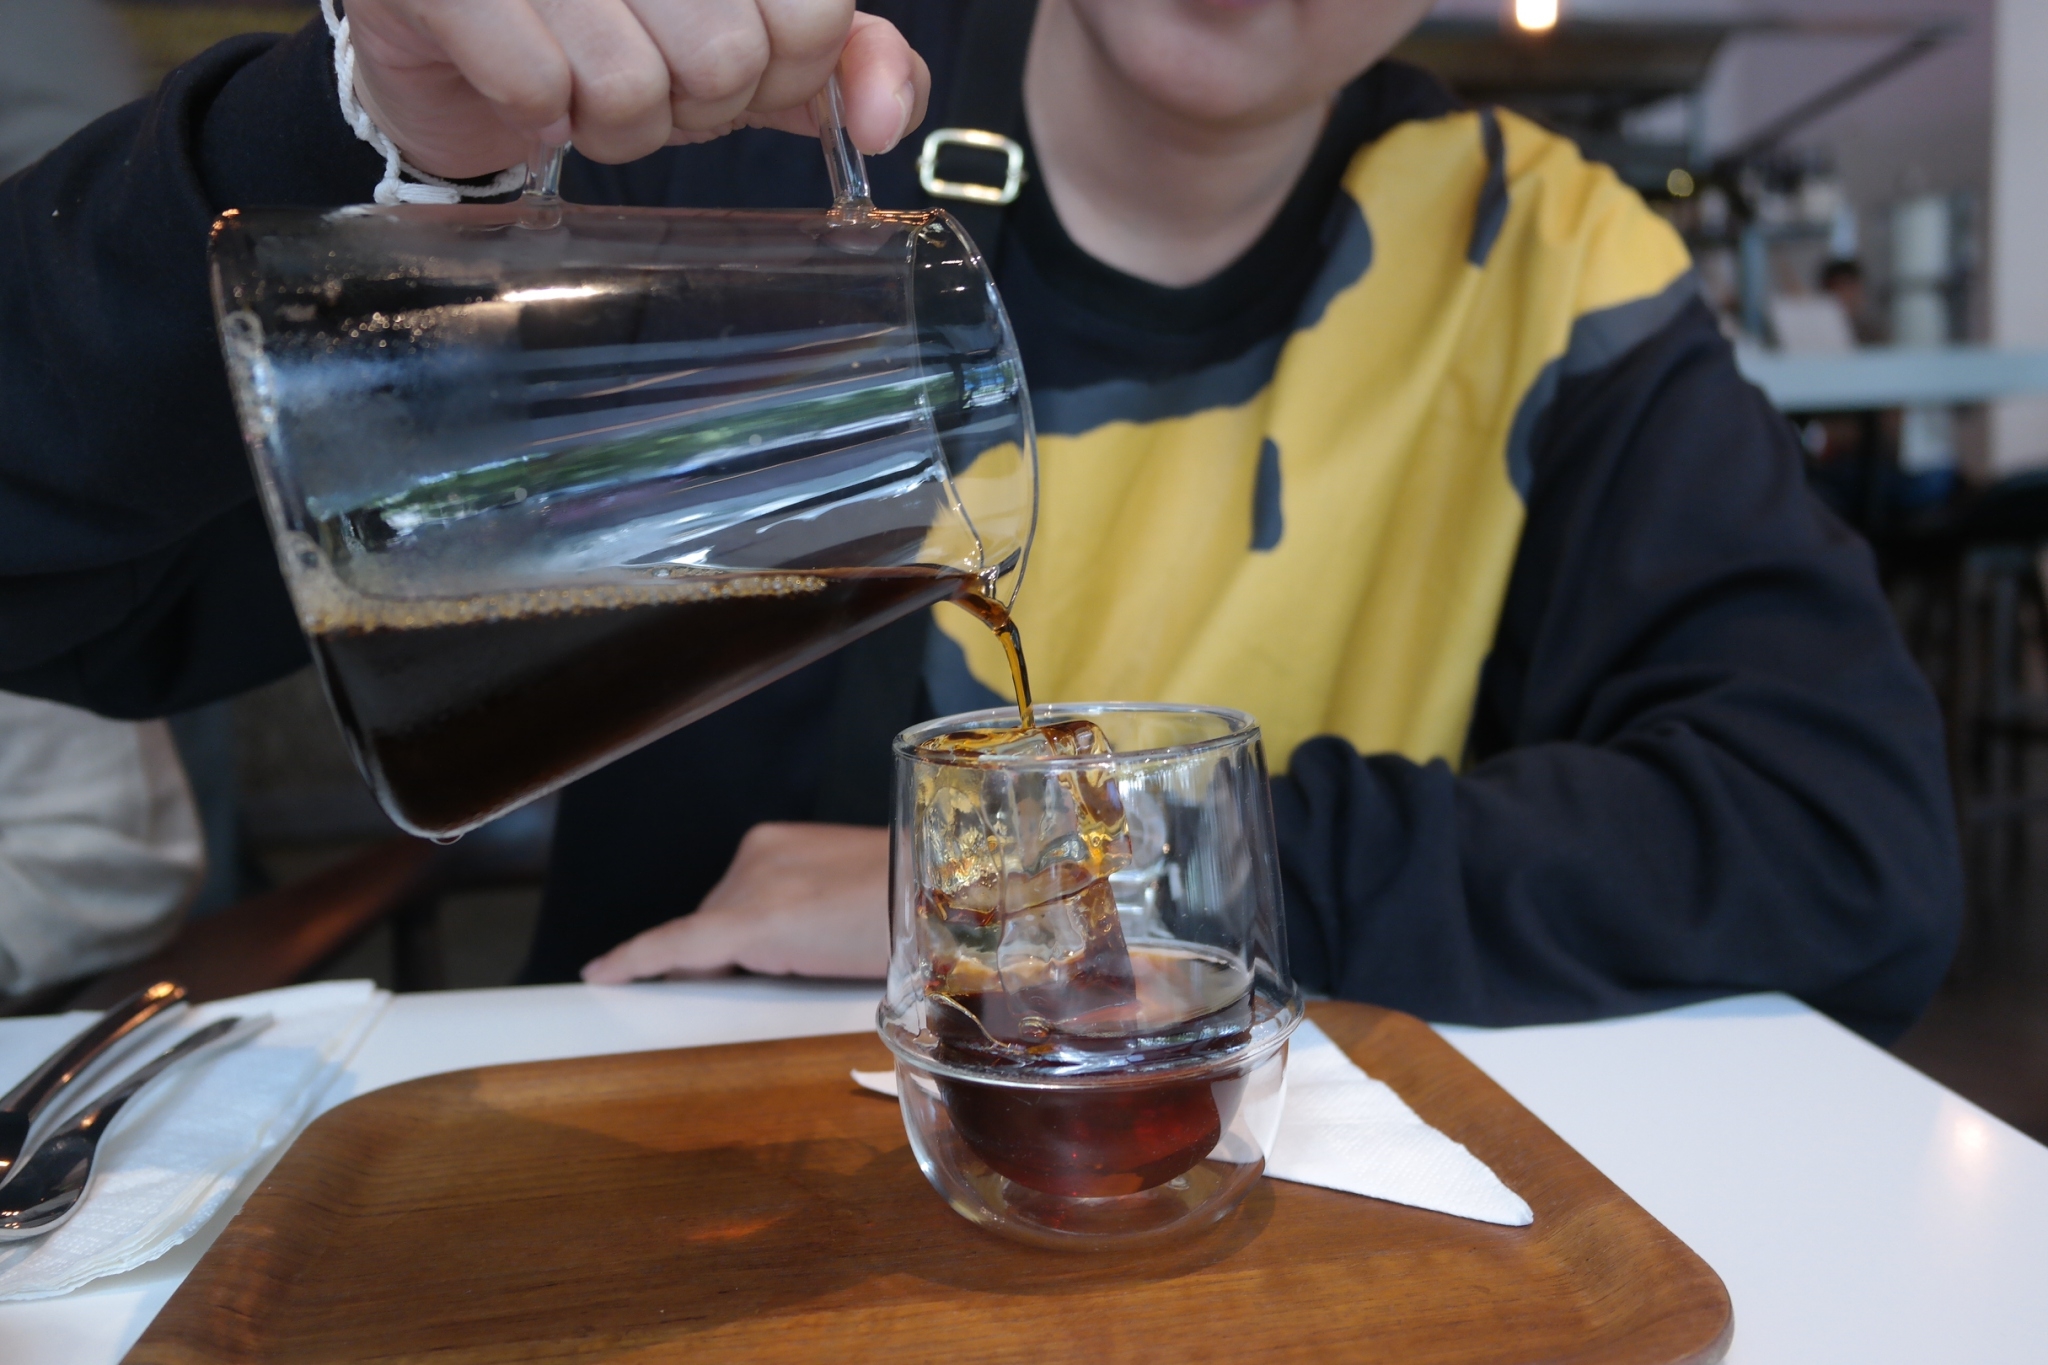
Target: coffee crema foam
pixel 325 607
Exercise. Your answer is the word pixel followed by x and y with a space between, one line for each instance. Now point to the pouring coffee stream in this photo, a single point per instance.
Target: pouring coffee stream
pixel 984 607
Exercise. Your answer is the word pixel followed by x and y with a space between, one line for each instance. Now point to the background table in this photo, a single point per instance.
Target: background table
pixel 1856 1210
pixel 1893 376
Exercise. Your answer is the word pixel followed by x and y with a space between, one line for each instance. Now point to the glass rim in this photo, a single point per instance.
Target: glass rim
pixel 234 223
pixel 1241 729
pixel 1267 1038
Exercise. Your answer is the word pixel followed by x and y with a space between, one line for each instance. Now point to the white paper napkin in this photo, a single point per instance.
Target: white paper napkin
pixel 179 1149
pixel 1343 1130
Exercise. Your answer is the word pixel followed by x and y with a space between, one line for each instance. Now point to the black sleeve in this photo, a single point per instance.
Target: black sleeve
pixel 1701 761
pixel 135 574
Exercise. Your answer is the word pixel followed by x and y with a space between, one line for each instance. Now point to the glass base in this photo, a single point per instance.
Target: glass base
pixel 1180 1207
pixel 1200 1195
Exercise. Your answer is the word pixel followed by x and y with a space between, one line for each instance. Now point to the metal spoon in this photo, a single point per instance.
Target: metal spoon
pixel 47 1186
pixel 20 1106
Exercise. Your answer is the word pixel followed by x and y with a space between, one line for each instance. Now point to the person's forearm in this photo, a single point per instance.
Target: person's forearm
pixel 1572 881
pixel 119 447
pixel 132 579
pixel 100 844
pixel 1701 760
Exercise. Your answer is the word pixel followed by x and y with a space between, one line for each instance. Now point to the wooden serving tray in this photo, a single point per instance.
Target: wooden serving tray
pixel 749 1203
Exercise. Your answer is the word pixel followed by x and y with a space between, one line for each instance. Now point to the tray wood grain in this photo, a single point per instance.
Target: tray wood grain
pixel 748 1203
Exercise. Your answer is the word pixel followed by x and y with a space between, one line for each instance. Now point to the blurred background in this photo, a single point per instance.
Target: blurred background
pixel 1858 184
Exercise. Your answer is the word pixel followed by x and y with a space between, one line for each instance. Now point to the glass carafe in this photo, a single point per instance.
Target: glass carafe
pixel 549 481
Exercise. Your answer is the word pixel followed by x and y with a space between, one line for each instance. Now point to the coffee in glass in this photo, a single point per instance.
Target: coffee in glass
pixel 1088 994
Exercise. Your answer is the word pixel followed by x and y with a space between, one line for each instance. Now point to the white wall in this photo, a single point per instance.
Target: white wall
pixel 1970 119
pixel 1926 129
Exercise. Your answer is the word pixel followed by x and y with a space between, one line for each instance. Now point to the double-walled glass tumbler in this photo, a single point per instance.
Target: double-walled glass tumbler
pixel 548 481
pixel 1088 994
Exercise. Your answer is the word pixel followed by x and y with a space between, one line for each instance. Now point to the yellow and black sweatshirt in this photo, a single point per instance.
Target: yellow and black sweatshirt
pixel 1578 704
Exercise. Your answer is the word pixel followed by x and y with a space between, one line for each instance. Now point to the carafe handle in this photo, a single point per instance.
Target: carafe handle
pixel 544 174
pixel 843 162
pixel 842 159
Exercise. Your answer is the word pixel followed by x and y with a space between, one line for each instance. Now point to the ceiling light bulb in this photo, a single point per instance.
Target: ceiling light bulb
pixel 1536 16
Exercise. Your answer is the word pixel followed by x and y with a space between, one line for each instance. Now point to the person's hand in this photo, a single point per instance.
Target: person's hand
pixel 469 87
pixel 798 900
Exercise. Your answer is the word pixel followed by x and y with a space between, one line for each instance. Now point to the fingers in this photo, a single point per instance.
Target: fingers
pixel 690 946
pixel 836 937
pixel 466 87
pixel 506 53
pixel 799 899
pixel 884 83
pixel 714 51
pixel 647 72
pixel 618 104
pixel 462 86
pixel 806 36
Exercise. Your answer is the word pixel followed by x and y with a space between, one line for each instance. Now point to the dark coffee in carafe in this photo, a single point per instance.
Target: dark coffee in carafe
pixel 460 709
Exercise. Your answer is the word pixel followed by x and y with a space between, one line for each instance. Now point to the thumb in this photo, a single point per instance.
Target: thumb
pixel 884 83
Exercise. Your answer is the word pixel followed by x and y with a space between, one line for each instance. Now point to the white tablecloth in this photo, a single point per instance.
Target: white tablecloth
pixel 1857 1211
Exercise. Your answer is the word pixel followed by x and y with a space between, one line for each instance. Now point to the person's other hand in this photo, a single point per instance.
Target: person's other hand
pixel 798 900
pixel 469 87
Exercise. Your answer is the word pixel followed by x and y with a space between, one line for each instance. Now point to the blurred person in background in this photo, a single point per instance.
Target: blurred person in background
pixel 100 849
pixel 100 844
pixel 1843 278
